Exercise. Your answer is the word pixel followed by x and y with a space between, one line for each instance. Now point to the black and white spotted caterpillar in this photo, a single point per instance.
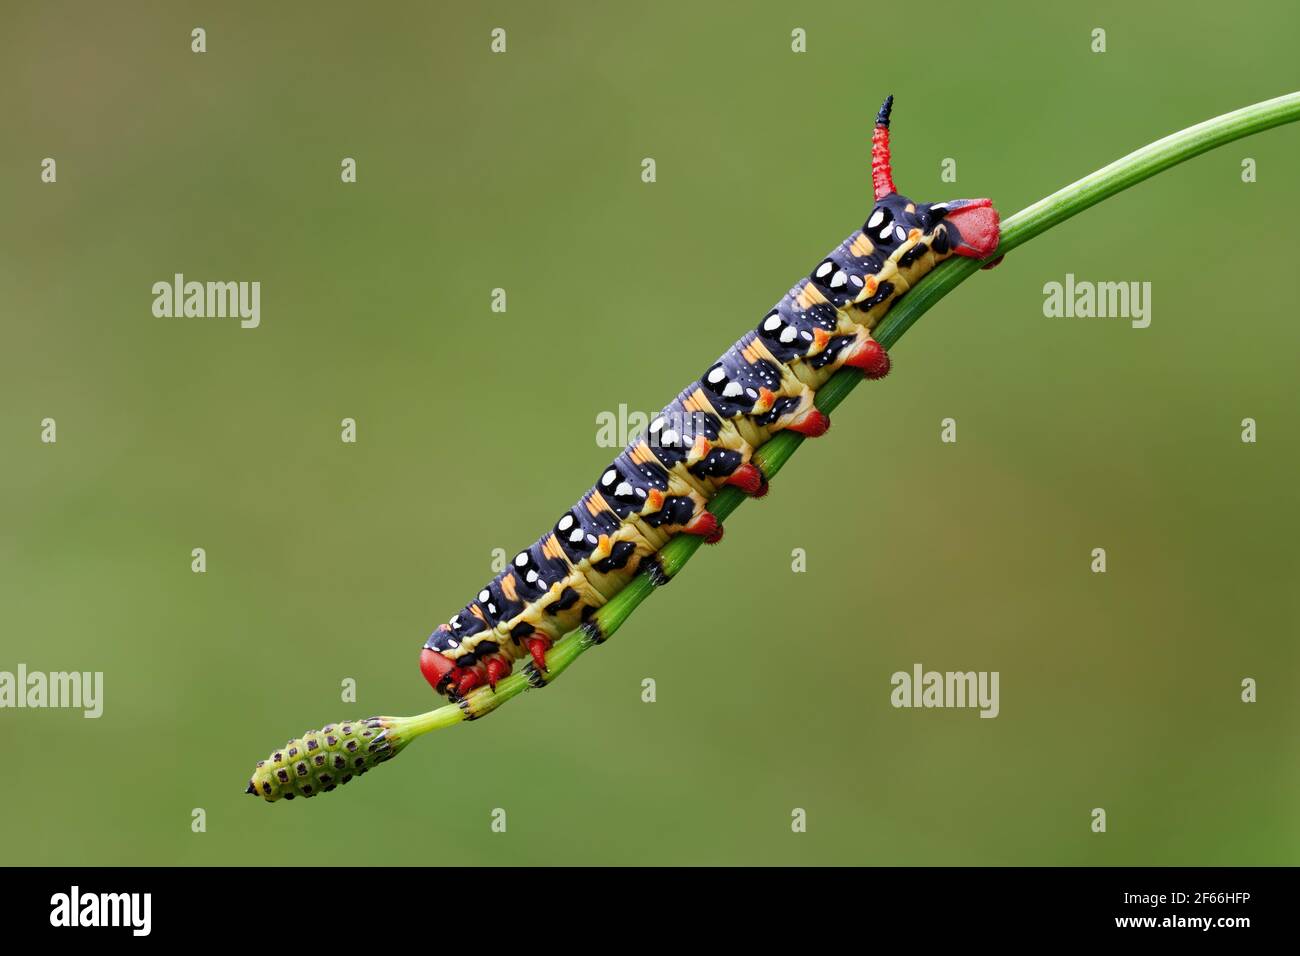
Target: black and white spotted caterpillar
pixel 705 439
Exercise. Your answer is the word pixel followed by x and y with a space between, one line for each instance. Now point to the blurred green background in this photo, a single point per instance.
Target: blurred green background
pixel 328 561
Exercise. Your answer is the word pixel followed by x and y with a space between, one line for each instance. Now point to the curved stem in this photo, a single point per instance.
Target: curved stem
pixel 1017 229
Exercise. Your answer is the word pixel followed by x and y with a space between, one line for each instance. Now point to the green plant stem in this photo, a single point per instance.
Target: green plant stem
pixel 1018 229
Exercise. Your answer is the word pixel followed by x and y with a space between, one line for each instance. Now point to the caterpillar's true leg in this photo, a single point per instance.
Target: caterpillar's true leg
pixel 537 648
pixel 497 668
pixel 871 357
pixel 465 679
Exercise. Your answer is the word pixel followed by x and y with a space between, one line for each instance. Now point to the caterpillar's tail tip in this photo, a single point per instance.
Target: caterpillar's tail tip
pixel 978 225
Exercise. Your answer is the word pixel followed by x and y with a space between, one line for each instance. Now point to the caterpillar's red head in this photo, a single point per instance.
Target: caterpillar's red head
pixel 971 225
pixel 443 651
pixel 435 667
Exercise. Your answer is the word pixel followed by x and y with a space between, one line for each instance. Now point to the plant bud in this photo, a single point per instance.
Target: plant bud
pixel 321 760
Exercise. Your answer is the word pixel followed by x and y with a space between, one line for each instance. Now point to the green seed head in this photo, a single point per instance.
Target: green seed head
pixel 321 760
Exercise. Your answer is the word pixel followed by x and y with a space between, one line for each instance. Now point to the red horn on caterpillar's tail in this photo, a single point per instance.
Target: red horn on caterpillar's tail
pixel 882 179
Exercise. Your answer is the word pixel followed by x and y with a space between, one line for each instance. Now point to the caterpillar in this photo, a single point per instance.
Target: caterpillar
pixel 705 439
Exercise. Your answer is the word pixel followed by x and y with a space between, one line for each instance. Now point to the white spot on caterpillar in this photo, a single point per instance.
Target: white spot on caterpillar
pixel 876 218
pixel 807 336
pixel 838 279
pixel 856 280
pixel 772 324
pixel 670 437
pixel 732 390
pixel 521 559
pixel 623 489
pixel 884 233
pixel 657 424
pixel 717 375
pixel 483 596
pixel 900 232
pixel 824 269
pixel 788 334
pixel 576 536
pixel 531 576
pixel 608 478
pixel 566 523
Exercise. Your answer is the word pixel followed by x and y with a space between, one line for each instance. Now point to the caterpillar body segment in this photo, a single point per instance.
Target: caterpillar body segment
pixel 705 439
